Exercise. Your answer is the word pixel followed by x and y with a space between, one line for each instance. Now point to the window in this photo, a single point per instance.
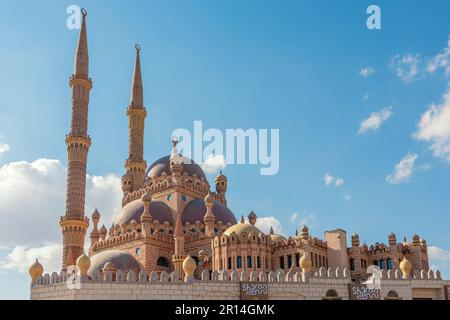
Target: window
pixel 375 263
pixel 282 262
pixel 239 262
pixel 197 260
pixel 229 263
pixel 381 264
pixel 352 264
pixel 258 262
pixel 163 262
pixel 389 264
pixel 249 262
pixel 362 263
pixel 193 231
pixel 297 260
pixel 289 261
pixel 138 251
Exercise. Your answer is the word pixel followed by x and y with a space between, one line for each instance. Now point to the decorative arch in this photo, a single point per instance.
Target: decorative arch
pixel 163 262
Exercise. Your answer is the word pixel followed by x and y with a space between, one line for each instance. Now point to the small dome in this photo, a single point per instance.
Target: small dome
pixel 162 165
pixel 415 237
pixel 96 214
pixel 189 266
pixel 305 262
pixel 133 211
pixel 241 228
pixel 304 229
pixel 120 260
pixel 196 209
pixel 36 270
pixel 277 237
pixel 147 197
pixel 83 264
pixel 405 267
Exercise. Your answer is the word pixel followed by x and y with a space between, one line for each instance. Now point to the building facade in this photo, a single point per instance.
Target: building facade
pixel 174 226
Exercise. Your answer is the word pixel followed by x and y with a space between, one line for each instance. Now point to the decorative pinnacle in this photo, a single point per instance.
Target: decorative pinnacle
pixel 83 12
pixel 138 47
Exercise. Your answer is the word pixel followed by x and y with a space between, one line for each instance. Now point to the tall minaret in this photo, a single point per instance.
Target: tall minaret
pixel 135 165
pixel 74 223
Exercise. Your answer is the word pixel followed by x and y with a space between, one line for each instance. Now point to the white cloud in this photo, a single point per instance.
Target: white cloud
pixel 366 97
pixel 434 128
pixel 441 60
pixel 375 120
pixel 4 148
pixel 439 260
pixel 213 163
pixel 264 224
pixel 307 219
pixel 32 198
pixel 403 170
pixel 367 71
pixel 294 216
pixel 20 258
pixel 406 67
pixel 329 180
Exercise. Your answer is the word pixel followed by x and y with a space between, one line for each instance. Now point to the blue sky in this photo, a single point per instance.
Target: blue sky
pixel 293 65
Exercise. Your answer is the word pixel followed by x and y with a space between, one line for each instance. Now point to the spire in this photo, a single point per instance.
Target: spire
pixel 81 56
pixel 179 228
pixel 137 95
pixel 271 230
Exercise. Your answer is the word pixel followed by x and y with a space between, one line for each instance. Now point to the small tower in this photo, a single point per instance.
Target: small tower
pixel 392 239
pixel 103 232
pixel 135 165
pixel 252 218
pixel 179 254
pixel 74 223
pixel 175 160
pixel 146 217
pixel 127 184
pixel 304 233
pixel 209 217
pixel 95 235
pixel 221 182
pixel 355 240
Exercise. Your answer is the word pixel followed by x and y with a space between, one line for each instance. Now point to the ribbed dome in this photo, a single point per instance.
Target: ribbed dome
pixel 195 211
pixel 163 165
pixel 133 211
pixel 120 259
pixel 241 228
pixel 277 237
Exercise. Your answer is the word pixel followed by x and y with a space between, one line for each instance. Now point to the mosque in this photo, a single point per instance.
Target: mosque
pixel 171 214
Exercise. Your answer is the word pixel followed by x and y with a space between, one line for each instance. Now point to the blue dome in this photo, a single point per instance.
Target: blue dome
pixel 163 165
pixel 134 209
pixel 195 211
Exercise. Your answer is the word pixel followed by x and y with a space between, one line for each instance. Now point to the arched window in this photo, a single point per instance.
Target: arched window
pixel 197 260
pixel 381 264
pixel 392 294
pixel 249 261
pixel 331 295
pixel 229 263
pixel 193 231
pixel 239 262
pixel 375 263
pixel 289 261
pixel 352 264
pixel 163 262
pixel 297 259
pixel 389 264
pixel 258 262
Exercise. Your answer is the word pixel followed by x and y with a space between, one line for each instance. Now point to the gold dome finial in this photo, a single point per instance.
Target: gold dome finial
pixel 147 197
pixel 189 266
pixel 405 267
pixel 36 270
pixel 83 264
pixel 305 263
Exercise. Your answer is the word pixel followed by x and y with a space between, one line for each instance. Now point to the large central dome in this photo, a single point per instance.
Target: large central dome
pixel 163 165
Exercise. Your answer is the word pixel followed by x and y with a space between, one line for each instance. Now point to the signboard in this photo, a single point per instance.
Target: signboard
pixel 254 290
pixel 447 292
pixel 362 292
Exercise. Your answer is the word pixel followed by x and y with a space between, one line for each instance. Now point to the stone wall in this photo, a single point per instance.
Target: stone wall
pixel 224 286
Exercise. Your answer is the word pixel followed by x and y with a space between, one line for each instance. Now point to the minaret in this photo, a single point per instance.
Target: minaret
pixel 135 165
pixel 74 223
pixel 179 253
